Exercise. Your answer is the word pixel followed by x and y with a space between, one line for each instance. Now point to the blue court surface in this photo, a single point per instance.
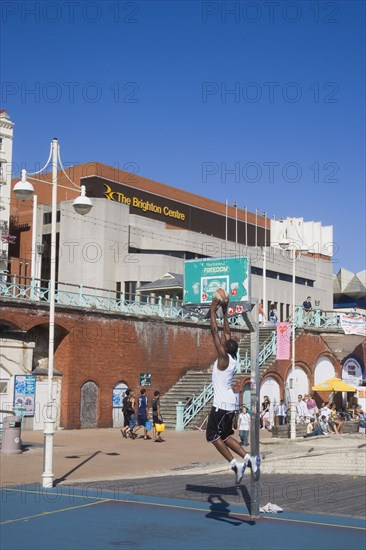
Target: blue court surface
pixel 69 518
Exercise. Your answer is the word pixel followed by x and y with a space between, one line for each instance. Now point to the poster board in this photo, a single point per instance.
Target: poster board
pixel 25 393
pixel 203 277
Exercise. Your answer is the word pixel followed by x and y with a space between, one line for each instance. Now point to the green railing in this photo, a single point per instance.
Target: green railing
pixel 67 294
pixel 80 296
pixel 197 403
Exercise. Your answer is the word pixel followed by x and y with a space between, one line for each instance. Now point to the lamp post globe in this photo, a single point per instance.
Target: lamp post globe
pixel 23 190
pixel 82 205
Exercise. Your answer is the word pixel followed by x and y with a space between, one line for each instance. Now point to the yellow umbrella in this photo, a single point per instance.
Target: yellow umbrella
pixel 333 384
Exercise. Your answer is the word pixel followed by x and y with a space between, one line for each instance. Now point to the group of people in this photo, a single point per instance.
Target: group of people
pixel 306 408
pixel 329 421
pixel 273 316
pixel 307 412
pixel 134 422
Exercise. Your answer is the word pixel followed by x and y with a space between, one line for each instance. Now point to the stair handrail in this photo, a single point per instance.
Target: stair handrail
pixel 197 403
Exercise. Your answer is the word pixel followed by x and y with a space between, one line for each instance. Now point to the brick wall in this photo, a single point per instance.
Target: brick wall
pixel 108 349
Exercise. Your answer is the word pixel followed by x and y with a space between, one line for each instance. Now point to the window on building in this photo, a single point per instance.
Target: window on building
pixel 257 271
pixel 47 217
pixel 271 274
pixel 130 290
pixel 285 277
pixel 3 387
pixel 143 297
pixel 300 280
pixel 174 253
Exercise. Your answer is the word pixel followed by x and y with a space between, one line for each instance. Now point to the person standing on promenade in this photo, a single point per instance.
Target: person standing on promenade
pixel 311 406
pixel 244 426
pixel 307 306
pixel 142 411
pixel 219 430
pixel 281 411
pixel 261 316
pixel 157 418
pixel 273 317
pixel 128 411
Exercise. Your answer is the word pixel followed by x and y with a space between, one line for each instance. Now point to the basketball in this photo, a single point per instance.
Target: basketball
pixel 221 295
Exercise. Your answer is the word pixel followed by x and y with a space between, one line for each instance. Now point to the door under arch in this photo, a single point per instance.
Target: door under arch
pixel 119 392
pixel 89 405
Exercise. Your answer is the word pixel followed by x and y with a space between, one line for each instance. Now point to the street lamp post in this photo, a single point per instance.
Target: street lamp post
pixel 265 312
pixel 291 246
pixel 293 337
pixel 24 190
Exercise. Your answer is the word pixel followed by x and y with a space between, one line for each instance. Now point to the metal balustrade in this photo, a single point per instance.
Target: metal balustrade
pixel 68 294
pixel 197 403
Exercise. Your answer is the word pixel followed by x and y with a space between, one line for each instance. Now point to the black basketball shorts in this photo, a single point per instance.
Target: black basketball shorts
pixel 219 424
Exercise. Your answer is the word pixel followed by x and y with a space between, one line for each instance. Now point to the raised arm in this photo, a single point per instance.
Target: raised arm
pixel 227 331
pixel 223 358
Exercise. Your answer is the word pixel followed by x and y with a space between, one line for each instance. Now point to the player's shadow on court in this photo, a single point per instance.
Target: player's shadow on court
pixel 220 511
pixel 219 493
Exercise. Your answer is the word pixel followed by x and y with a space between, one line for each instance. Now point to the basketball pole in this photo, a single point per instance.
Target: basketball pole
pixel 253 326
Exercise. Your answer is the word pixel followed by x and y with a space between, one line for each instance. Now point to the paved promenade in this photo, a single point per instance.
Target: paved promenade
pixel 102 454
pixel 115 492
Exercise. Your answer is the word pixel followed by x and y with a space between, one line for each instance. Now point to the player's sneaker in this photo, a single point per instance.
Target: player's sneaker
pixel 254 463
pixel 239 470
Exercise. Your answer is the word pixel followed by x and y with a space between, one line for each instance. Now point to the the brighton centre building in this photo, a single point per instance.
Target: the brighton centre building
pixel 139 230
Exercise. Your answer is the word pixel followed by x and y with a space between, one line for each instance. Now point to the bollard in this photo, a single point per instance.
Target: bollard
pixel 179 426
pixel 11 441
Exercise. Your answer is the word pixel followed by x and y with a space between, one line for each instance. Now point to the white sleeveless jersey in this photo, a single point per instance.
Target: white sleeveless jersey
pixel 224 397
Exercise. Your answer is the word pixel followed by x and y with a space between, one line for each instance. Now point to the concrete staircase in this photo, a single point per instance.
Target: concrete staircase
pixel 265 333
pixel 193 383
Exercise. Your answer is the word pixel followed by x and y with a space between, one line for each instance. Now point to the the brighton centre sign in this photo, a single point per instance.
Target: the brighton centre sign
pixel 177 213
pixel 144 205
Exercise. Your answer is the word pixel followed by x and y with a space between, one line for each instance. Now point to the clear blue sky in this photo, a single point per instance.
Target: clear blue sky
pixel 145 85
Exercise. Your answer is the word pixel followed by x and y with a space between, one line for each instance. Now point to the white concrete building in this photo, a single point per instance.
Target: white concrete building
pixel 139 230
pixel 6 155
pixel 114 249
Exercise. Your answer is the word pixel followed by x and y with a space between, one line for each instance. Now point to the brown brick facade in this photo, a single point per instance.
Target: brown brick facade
pixel 110 348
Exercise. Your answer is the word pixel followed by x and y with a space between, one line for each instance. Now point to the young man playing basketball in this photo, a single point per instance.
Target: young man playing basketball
pixel 220 421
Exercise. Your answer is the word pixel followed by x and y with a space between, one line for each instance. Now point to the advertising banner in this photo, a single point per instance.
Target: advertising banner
pixel 353 324
pixel 203 277
pixel 352 372
pixel 25 392
pixel 283 341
